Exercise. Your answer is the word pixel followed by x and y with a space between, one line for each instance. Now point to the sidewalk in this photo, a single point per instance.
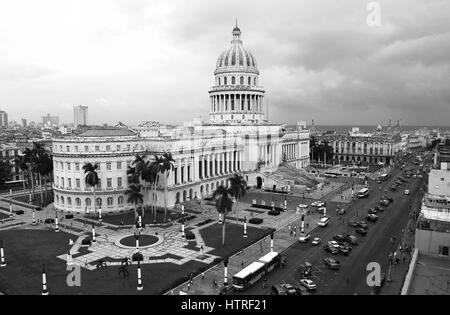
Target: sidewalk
pixel 282 241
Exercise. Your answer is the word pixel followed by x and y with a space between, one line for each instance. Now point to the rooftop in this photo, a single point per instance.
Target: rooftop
pixel 108 132
pixel 431 276
pixel 439 182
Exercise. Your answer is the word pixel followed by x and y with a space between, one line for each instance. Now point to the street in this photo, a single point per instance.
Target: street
pixel 375 247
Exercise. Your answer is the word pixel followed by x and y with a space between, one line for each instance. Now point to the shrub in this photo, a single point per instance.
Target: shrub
pixel 48 221
pixel 69 216
pixel 273 212
pixel 19 212
pixel 255 221
pixel 137 257
pixel 86 241
pixel 190 235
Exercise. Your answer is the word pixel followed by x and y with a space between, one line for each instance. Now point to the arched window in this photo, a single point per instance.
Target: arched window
pixel 69 201
pixel 254 81
pixel 242 81
pixel 57 199
pixel 225 81
pixel 120 200
pixel 219 81
pixel 233 80
pixel 99 202
pixel 109 201
pixel 62 200
pixel 88 202
pixel 78 202
pixel 249 81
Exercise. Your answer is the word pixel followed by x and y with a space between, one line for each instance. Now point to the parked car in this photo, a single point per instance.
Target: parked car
pixel 277 289
pixel 309 284
pixel 372 211
pixel 331 249
pixel 340 211
pixel 289 289
pixel 323 222
pixel 316 241
pixel 304 238
pixel 339 237
pixel 372 217
pixel 302 290
pixel 353 223
pixel 334 244
pixel 406 192
pixel 343 250
pixel 352 239
pixel 379 208
pixel 332 263
pixel 363 224
pixel 361 231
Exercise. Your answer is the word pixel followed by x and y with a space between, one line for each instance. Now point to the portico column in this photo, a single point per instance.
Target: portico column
pixel 206 165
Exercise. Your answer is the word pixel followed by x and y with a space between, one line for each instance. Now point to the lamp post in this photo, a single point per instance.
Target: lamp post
pixel 69 258
pixel 93 234
pixel 10 209
pixel 2 255
pixel 137 234
pixel 271 242
pixel 140 287
pixel 44 282
pixel 220 218
pixel 182 209
pixel 225 271
pixel 56 223
pixel 245 227
pixel 100 215
pixel 183 235
pixel 285 203
pixel 34 217
pixel 140 223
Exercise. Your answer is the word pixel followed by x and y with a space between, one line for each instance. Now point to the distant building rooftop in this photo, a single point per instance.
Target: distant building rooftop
pixel 431 276
pixel 439 182
pixel 107 132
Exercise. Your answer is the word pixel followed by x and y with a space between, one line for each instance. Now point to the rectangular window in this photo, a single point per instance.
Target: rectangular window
pixel 86 148
pixel 77 166
pixel 69 182
pixel 78 182
pixel 62 166
pixel 76 148
pixel 99 185
pixel 118 147
pixel 443 250
pixel 62 182
pixel 119 165
pixel 108 148
pixel 109 182
pixel 68 166
pixel 119 181
pixel 67 148
pixel 108 166
pixel 97 148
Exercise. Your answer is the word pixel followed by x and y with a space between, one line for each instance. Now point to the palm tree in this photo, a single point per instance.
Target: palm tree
pixel 140 168
pixel 238 187
pixel 29 160
pixel 22 165
pixel 39 158
pixel 92 179
pixel 224 205
pixel 134 196
pixel 165 168
pixel 153 170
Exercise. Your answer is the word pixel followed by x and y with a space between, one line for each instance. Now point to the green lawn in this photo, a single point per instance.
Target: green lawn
pixel 37 198
pixel 128 218
pixel 234 240
pixel 27 250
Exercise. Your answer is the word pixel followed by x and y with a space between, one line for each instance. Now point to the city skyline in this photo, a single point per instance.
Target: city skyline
pixel 317 61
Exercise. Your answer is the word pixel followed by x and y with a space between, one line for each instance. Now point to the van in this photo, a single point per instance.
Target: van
pixel 323 222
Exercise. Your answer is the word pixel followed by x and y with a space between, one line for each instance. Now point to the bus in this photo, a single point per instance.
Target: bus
pixel 255 271
pixel 363 193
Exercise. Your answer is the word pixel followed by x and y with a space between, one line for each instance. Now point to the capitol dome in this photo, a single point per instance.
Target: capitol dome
pixel 236 57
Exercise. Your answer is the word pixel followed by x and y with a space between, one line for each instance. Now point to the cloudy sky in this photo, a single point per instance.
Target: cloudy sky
pixel 134 60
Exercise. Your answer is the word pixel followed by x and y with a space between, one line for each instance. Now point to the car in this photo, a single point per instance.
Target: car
pixel 277 289
pixel 340 211
pixel 339 237
pixel 304 238
pixel 352 239
pixel 343 250
pixel 309 284
pixel 361 231
pixel 384 203
pixel 318 204
pixel 372 217
pixel 331 249
pixel 302 290
pixel 372 211
pixel 316 241
pixel 406 192
pixel 379 208
pixel 353 223
pixel 227 290
pixel 323 222
pixel 363 224
pixel 420 176
pixel 333 244
pixel 289 289
pixel 331 263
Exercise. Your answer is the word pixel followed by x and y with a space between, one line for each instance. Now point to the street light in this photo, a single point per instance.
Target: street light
pixel 2 255
pixel 137 234
pixel 44 281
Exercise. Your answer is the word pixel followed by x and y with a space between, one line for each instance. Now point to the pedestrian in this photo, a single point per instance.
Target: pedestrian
pixel 214 283
pixel 242 264
pixel 203 275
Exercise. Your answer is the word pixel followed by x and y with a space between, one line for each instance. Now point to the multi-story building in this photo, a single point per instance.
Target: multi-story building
pixel 50 121
pixel 367 148
pixel 3 119
pixel 236 139
pixel 80 116
pixel 8 154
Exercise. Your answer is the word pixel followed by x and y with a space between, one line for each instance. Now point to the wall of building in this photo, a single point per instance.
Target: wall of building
pixel 428 241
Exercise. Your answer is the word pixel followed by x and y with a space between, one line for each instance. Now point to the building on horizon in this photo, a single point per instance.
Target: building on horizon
pixel 80 116
pixel 237 139
pixel 49 121
pixel 3 119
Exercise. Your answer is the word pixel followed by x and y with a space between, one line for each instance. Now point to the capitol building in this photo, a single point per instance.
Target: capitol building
pixel 237 139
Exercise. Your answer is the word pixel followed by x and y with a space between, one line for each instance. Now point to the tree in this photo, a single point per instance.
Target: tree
pixel 5 172
pixel 92 179
pixel 238 187
pixel 135 196
pixel 140 169
pixel 165 168
pixel 224 205
pixel 153 171
pixel 22 165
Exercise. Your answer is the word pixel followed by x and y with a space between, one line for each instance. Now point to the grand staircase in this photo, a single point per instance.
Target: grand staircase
pixel 299 177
